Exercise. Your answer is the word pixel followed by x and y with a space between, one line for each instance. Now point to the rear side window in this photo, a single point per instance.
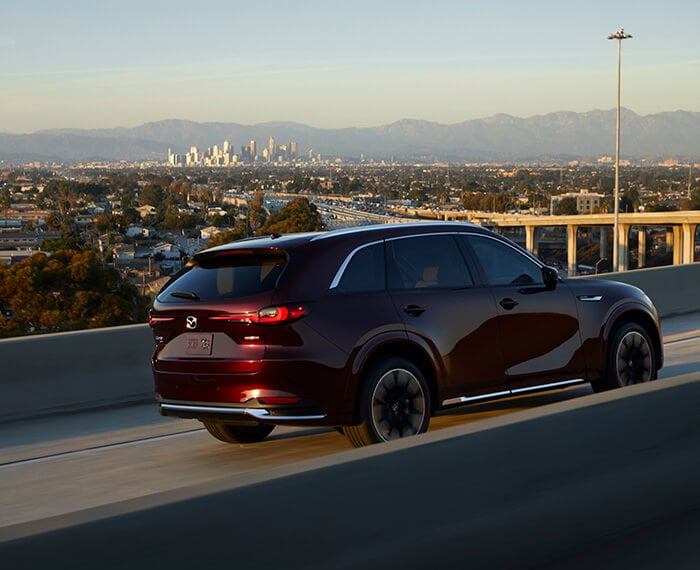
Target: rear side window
pixel 426 262
pixel 365 271
pixel 226 277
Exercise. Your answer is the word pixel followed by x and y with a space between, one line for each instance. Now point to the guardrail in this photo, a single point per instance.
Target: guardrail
pixel 88 369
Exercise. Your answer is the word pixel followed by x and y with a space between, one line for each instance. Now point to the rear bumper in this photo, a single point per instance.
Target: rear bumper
pixel 315 394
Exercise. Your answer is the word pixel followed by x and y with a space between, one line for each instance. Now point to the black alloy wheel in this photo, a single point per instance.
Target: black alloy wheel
pixel 395 403
pixel 630 359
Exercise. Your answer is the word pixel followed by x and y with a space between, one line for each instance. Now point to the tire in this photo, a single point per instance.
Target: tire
pixel 630 359
pixel 238 433
pixel 394 403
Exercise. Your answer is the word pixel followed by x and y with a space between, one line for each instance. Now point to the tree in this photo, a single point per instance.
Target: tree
pixel 694 202
pixel 299 215
pixel 68 242
pixel 6 199
pixel 630 200
pixel 566 207
pixel 257 215
pixel 68 290
pixel 151 195
pixel 220 238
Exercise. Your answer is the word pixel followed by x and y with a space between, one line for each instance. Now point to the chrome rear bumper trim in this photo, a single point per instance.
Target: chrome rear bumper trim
pixel 255 413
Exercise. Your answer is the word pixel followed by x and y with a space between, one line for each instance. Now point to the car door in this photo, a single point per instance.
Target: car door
pixel 538 325
pixel 444 312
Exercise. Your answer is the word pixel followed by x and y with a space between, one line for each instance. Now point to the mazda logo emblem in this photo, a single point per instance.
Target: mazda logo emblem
pixel 191 323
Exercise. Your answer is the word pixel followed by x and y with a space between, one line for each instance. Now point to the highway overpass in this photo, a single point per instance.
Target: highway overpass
pixel 564 479
pixel 683 236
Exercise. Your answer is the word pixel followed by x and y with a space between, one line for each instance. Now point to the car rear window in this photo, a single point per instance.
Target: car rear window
pixel 227 275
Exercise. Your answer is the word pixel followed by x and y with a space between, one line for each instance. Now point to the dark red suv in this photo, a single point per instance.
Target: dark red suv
pixel 374 329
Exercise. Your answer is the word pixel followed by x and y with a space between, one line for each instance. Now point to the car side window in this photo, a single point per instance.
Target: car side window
pixel 365 271
pixel 502 264
pixel 426 262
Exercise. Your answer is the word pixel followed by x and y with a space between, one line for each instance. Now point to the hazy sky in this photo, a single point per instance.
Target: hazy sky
pixel 328 63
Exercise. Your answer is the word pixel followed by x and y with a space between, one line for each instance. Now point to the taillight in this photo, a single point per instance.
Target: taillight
pixel 267 316
pixel 275 315
pixel 153 320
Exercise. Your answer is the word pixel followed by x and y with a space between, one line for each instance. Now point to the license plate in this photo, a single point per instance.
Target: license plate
pixel 199 344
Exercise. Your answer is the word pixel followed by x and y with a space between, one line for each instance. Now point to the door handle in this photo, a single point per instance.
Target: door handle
pixel 508 303
pixel 413 310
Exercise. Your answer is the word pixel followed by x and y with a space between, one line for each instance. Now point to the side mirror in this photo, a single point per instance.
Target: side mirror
pixel 550 276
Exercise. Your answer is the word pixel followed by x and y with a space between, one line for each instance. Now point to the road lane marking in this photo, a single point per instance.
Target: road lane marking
pixel 87 450
pixel 682 341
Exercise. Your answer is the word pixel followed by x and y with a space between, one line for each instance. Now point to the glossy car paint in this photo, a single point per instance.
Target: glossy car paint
pixel 472 342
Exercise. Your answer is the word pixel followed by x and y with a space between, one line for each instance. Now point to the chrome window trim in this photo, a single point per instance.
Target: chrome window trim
pixel 515 247
pixel 379 227
pixel 343 266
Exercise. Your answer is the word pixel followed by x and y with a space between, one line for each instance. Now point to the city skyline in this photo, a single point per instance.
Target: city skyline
pixel 332 64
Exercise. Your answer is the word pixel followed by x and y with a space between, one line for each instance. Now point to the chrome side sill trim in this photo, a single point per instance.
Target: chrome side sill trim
pixel 465 399
pixel 255 413
pixel 552 385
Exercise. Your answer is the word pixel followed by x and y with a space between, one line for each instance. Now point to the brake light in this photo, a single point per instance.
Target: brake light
pixel 282 314
pixel 153 320
pixel 267 316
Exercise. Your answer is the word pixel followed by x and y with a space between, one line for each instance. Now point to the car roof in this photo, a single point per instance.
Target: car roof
pixel 378 231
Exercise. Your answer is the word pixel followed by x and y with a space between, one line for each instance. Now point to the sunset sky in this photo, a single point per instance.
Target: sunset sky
pixel 328 63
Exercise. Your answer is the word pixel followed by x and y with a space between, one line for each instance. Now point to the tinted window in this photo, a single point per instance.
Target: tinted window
pixel 426 262
pixel 365 272
pixel 502 264
pixel 227 277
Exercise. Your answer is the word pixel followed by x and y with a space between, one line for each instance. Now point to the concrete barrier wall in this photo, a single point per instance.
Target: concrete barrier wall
pixel 87 369
pixel 675 290
pixel 67 371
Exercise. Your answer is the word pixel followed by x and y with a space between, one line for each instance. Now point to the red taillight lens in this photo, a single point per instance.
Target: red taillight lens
pixel 153 320
pixel 275 315
pixel 266 316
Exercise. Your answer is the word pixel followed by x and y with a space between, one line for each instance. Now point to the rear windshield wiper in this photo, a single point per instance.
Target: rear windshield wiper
pixel 185 295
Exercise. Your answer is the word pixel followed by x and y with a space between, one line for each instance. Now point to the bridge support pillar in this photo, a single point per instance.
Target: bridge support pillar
pixel 571 233
pixel 688 241
pixel 642 247
pixel 676 242
pixel 531 240
pixel 624 254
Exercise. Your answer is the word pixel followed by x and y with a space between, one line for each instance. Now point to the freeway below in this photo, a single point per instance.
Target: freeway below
pixel 565 479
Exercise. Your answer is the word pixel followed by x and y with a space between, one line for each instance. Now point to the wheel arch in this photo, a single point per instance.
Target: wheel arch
pixel 642 318
pixel 401 348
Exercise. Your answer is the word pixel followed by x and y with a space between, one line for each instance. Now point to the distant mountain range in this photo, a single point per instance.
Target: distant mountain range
pixel 555 137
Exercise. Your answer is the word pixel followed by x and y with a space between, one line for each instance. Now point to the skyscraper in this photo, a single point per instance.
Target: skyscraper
pixel 271 148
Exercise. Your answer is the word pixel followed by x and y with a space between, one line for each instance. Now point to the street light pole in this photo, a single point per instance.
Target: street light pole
pixel 619 35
